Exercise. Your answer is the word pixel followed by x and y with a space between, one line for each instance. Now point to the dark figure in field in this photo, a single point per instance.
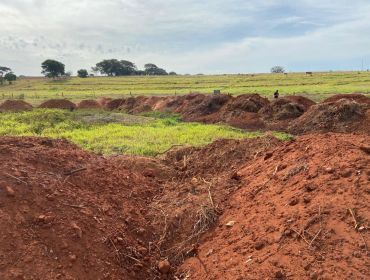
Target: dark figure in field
pixel 276 94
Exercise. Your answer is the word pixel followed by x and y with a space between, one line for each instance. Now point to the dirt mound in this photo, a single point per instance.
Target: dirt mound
pixel 114 104
pixel 301 100
pixel 282 109
pixel 341 116
pixel 195 194
pixel 246 103
pixel 359 98
pixel 302 213
pixel 89 104
pixel 58 104
pixel 103 101
pixel 72 214
pixel 15 106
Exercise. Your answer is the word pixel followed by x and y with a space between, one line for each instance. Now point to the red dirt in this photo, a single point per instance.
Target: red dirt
pixel 58 104
pixel 89 104
pixel 114 104
pixel 341 116
pixel 91 224
pixel 103 101
pixel 15 106
pixel 282 109
pixel 290 218
pixel 301 100
pixel 359 98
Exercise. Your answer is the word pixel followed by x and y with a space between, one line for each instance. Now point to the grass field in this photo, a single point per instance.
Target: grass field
pixel 316 86
pixel 115 133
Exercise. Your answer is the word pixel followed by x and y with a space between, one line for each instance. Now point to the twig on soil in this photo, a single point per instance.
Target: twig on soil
pixel 75 171
pixel 16 178
pixel 209 192
pixel 301 236
pixel 73 205
pixel 354 217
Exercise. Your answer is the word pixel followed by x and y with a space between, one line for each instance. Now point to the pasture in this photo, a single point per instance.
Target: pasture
pixel 115 132
pixel 316 87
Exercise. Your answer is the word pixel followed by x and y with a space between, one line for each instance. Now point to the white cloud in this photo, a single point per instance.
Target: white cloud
pixel 188 36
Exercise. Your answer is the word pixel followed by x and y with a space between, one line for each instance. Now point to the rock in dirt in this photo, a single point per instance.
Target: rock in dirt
pixel 9 191
pixel 164 266
pixel 230 224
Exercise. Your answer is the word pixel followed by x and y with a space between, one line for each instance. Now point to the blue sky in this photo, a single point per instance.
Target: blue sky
pixel 187 36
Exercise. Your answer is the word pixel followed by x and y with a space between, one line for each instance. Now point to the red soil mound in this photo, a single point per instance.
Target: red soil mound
pixel 301 100
pixel 282 109
pixel 302 214
pixel 114 104
pixel 58 104
pixel 341 116
pixel 88 104
pixel 199 173
pixel 67 214
pixel 103 101
pixel 360 98
pixel 15 106
pixel 246 103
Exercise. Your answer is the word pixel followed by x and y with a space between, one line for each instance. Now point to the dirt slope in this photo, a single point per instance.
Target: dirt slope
pixel 56 224
pixel 58 104
pixel 15 106
pixel 302 213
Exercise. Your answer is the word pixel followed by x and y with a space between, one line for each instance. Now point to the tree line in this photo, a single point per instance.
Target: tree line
pixel 110 67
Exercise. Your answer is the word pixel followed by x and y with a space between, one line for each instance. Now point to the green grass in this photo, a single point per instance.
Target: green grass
pixel 114 132
pixel 318 86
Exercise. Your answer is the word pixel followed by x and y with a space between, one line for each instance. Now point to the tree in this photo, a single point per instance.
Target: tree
pixel 152 69
pixel 172 73
pixel 82 73
pixel 52 68
pixel 114 67
pixel 3 71
pixel 10 77
pixel 277 69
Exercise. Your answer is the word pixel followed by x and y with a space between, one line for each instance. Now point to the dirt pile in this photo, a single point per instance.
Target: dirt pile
pixel 301 100
pixel 89 104
pixel 58 104
pixel 114 104
pixel 67 214
pixel 195 194
pixel 302 213
pixel 103 101
pixel 282 109
pixel 340 116
pixel 359 98
pixel 15 106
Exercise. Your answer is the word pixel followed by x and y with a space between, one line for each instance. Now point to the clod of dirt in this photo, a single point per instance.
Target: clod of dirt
pixel 9 191
pixel 15 106
pixel 58 104
pixel 164 266
pixel 88 104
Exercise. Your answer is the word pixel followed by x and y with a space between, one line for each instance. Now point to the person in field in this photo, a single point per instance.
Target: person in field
pixel 276 94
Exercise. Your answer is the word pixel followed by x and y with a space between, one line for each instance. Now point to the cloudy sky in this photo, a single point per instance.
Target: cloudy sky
pixel 187 36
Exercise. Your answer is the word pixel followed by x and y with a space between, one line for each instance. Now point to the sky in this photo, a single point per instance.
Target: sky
pixel 187 36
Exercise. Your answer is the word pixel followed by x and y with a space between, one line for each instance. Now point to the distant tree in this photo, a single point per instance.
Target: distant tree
pixel 277 69
pixel 172 73
pixel 10 77
pixel 114 67
pixel 52 68
pixel 82 73
pixel 3 71
pixel 152 69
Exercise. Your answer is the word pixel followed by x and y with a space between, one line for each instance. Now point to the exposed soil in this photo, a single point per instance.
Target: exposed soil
pixel 103 101
pixel 15 106
pixel 360 98
pixel 58 104
pixel 302 213
pixel 57 224
pixel 341 116
pixel 88 104
pixel 301 100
